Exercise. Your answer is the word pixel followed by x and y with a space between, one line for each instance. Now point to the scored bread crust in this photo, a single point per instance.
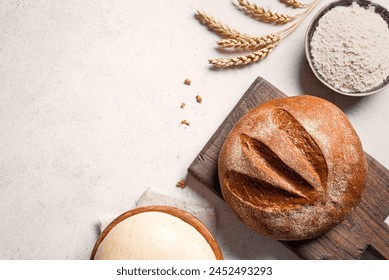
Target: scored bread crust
pixel 292 168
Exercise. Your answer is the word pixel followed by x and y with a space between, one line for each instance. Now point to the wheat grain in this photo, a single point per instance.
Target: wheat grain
pixel 243 60
pixel 218 27
pixel 249 42
pixel 181 184
pixel 294 3
pixel 263 14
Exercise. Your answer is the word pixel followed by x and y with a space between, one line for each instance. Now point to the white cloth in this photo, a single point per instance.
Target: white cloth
pixel 204 212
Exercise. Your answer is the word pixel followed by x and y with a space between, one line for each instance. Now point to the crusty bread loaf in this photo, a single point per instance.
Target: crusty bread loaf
pixel 292 168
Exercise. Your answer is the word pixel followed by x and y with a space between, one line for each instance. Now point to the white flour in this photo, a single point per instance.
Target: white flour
pixel 350 48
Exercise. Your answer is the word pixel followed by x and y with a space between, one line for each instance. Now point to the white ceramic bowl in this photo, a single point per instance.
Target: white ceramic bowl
pixel 311 30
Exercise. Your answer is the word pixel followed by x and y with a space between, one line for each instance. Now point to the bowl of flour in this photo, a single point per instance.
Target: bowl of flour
pixel 347 47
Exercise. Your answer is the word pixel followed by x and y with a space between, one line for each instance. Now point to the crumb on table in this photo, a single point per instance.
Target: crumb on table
pixel 185 122
pixel 199 99
pixel 187 82
pixel 181 184
pixel 183 104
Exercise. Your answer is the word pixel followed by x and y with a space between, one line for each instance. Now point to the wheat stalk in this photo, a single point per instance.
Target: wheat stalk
pixel 243 60
pixel 263 44
pixel 249 42
pixel 263 14
pixel 291 28
pixel 294 3
pixel 218 27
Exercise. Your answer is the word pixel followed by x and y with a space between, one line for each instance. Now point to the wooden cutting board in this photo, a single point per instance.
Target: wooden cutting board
pixel 363 229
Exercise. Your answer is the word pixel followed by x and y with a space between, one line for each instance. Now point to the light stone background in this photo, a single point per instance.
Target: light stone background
pixel 89 115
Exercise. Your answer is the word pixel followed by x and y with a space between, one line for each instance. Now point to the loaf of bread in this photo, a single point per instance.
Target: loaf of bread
pixel 292 168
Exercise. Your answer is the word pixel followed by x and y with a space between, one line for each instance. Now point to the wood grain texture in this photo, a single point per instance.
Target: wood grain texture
pixel 363 228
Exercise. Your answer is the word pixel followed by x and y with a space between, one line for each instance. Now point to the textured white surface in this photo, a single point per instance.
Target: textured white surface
pixel 89 115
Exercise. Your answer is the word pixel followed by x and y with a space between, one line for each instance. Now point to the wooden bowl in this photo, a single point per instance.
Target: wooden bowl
pixel 311 30
pixel 172 213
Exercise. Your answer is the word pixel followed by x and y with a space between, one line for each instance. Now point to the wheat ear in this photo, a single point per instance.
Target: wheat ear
pixel 216 26
pixel 249 42
pixel 263 14
pixel 243 60
pixel 294 3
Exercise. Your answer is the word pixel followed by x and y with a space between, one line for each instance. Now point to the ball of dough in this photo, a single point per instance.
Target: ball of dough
pixel 154 235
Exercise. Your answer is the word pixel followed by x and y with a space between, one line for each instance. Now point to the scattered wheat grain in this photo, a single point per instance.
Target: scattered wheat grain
pixel 188 82
pixel 181 184
pixel 185 122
